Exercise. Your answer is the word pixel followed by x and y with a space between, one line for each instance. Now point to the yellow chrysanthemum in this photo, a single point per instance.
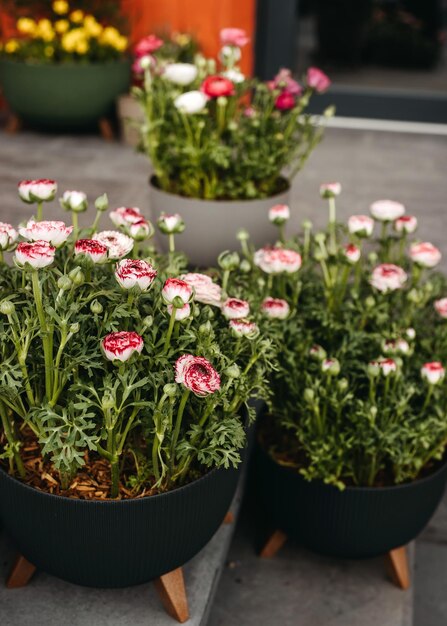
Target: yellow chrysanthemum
pixel 49 51
pixel 110 36
pixel 82 47
pixel 11 46
pixel 92 27
pixel 26 26
pixel 77 16
pixel 60 7
pixel 121 44
pixel 61 26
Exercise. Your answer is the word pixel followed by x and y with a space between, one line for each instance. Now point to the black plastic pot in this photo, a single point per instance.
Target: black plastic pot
pixel 115 543
pixel 358 522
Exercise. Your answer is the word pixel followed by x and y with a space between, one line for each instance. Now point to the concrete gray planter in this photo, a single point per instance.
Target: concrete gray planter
pixel 211 225
pixel 130 115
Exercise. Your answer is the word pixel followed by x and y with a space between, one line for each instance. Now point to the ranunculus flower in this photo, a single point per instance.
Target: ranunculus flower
pixel 411 333
pixel 406 224
pixel 441 307
pixel 92 249
pixel 38 254
pixel 387 366
pixel 121 345
pixel 140 230
pixel 351 253
pixel 75 201
pixel 8 236
pixel 361 225
pixel 386 210
pixel 171 224
pixel 191 102
pixel 388 277
pixel 205 291
pixel 235 309
pixel 41 190
pixel 318 80
pixel 285 83
pixel 234 37
pixel 148 45
pixel 275 308
pixel 317 352
pixel 176 288
pixel 279 214
pixel 285 101
pixel 396 346
pixel 125 216
pixel 118 244
pixel 180 73
pixel 425 254
pixel 330 366
pixel 277 260
pixel 234 75
pixel 216 86
pixel 180 313
pixel 135 273
pixel 244 328
pixel 330 190
pixel 55 233
pixel 433 372
pixel 197 374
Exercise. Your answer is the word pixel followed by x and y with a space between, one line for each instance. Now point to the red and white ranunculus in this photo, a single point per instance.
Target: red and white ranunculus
pixel 181 313
pixel 205 291
pixel 75 201
pixel 330 366
pixel 132 273
pixel 41 190
pixel 388 277
pixel 425 254
pixel 8 236
pixel 244 328
pixel 125 216
pixel 433 372
pixel 148 45
pixel 176 288
pixel 141 230
pixel 279 214
pixel 53 232
pixel 277 260
pixel 191 102
pixel 37 254
pixel 396 346
pixel 441 307
pixel 387 366
pixel 92 249
pixel 180 73
pixel 121 345
pixel 330 190
pixel 351 253
pixel 234 37
pixel 317 352
pixel 275 308
pixel 386 210
pixel 171 224
pixel 217 86
pixel 197 374
pixel 361 225
pixel 117 243
pixel 235 309
pixel 406 224
pixel 318 80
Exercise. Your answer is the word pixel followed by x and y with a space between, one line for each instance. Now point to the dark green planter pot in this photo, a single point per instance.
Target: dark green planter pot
pixel 115 543
pixel 358 522
pixel 66 96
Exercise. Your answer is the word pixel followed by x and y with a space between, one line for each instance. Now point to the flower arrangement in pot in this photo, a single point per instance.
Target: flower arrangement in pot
pixel 351 460
pixel 221 144
pixel 122 392
pixel 64 71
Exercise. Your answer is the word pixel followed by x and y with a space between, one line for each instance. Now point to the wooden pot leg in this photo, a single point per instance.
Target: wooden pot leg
pixel 106 129
pixel 21 573
pixel 273 544
pixel 229 518
pixel 397 561
pixel 172 592
pixel 13 124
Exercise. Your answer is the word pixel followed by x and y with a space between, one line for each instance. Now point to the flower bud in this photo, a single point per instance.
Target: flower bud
pixel 74 328
pixel 307 225
pixel 205 329
pixel 228 261
pixel 245 266
pixel 96 307
pixel 7 307
pixel 170 389
pixel 373 258
pixel 309 395
pixel 370 303
pixel 330 367
pixel 148 321
pixel 77 276
pixel 373 369
pixel 320 238
pixel 102 203
pixel 317 352
pixel 75 201
pixel 65 283
pixel 242 234
pixel 343 385
pixel 414 296
pixel 233 371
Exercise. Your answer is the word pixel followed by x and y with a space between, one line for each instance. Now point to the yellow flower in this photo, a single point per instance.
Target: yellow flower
pixel 60 7
pixel 121 43
pixel 92 27
pixel 82 47
pixel 77 16
pixel 110 36
pixel 61 26
pixel 49 51
pixel 69 41
pixel 26 26
pixel 11 46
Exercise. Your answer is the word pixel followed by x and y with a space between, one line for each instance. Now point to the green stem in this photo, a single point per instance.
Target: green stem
pixel 11 440
pixel 39 211
pixel 75 222
pixel 178 422
pixel 332 221
pixel 170 329
pixel 171 240
pixel 48 357
pixel 95 223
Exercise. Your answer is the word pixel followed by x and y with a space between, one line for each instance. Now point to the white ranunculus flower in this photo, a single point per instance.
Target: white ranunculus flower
pixel 386 210
pixel 180 73
pixel 191 102
pixel 234 75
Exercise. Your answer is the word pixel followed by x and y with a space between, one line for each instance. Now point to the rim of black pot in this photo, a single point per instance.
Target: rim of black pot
pixel 406 485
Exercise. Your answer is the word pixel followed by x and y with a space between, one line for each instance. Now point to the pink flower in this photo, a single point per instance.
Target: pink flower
pixel 330 366
pixel 55 233
pixel 216 86
pixel 279 214
pixel 176 288
pixel 120 346
pixel 361 225
pixel 275 308
pixel 285 101
pixel 398 346
pixel 197 374
pixel 244 328
pixel 250 112
pixel 8 236
pixel 317 352
pixel 330 190
pixel 205 291
pixel 433 372
pixel 171 224
pixel 285 83
pixel 277 260
pixel 132 273
pixel 234 309
pixel 140 230
pixel 147 45
pixel 441 307
pixel 318 80
pixel 38 254
pixel 94 250
pixel 406 224
pixel 117 243
pixel 351 253
pixel 387 366
pixel 125 216
pixel 234 37
pixel 41 190
pixel 425 254
pixel 181 313
pixel 388 277
pixel 386 210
